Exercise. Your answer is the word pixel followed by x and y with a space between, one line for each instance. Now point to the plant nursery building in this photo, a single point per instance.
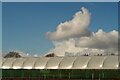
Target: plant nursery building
pixel 61 68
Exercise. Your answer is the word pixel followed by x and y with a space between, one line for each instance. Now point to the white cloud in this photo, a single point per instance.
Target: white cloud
pixel 66 46
pixel 98 43
pixel 107 41
pixel 76 27
pixel 74 36
pixel 100 40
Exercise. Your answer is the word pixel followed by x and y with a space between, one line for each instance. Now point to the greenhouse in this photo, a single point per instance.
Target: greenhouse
pixel 81 67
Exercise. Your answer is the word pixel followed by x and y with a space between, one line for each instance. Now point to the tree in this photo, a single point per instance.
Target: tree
pixel 13 54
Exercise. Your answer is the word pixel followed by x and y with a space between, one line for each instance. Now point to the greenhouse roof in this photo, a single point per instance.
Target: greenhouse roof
pixel 80 62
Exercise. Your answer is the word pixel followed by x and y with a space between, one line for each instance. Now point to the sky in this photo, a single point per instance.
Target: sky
pixel 25 24
pixel 0 27
pixel 60 1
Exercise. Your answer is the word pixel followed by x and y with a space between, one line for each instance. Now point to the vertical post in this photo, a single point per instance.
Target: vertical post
pixel 69 75
pixel 103 75
pixel 44 76
pixel 99 76
pixel 53 76
pixel 60 74
pixel 92 76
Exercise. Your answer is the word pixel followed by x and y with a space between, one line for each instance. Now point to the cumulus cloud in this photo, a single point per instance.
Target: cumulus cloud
pixel 66 46
pixel 107 41
pixel 100 40
pixel 74 37
pixel 76 27
pixel 98 43
pixel 69 46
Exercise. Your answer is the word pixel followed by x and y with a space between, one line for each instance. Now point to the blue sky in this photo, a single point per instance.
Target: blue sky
pixel 0 27
pixel 60 0
pixel 25 24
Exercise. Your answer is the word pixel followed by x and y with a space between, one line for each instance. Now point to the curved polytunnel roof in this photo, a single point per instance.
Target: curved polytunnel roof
pixel 8 63
pixel 1 62
pixel 18 63
pixel 53 63
pixel 41 63
pixel 80 62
